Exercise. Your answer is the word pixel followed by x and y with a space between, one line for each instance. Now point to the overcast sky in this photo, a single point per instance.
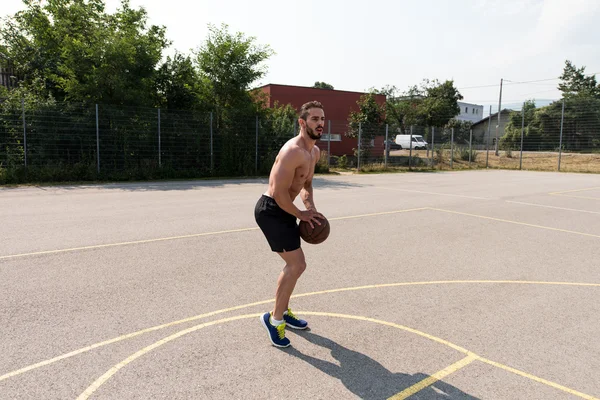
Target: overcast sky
pixel 358 45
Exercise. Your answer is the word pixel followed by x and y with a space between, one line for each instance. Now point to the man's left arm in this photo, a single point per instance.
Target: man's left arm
pixel 307 191
pixel 307 195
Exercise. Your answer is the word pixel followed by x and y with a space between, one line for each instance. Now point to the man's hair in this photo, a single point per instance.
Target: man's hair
pixel 307 106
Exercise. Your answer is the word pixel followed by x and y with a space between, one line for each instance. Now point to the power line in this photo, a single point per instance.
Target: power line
pixel 520 83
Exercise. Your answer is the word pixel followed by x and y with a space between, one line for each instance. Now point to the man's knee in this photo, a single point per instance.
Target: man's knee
pixel 298 267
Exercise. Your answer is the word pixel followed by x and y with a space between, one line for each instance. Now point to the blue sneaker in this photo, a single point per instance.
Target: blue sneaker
pixel 292 321
pixel 276 333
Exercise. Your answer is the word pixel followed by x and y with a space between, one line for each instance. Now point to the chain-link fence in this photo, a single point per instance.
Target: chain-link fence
pixel 563 136
pixel 81 142
pixel 65 141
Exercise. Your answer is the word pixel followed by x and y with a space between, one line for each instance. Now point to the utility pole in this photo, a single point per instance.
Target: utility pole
pixel 499 113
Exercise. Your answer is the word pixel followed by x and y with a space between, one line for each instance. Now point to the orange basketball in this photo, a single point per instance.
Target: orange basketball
pixel 316 235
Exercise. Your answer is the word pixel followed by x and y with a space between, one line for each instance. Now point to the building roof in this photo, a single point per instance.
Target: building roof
pixel 310 87
pixel 504 111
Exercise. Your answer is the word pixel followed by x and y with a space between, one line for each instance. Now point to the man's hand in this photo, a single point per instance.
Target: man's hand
pixel 311 216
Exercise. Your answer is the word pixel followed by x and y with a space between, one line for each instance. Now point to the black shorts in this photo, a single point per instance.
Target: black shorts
pixel 279 227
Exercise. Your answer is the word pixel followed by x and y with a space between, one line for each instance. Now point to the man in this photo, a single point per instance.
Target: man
pixel 276 215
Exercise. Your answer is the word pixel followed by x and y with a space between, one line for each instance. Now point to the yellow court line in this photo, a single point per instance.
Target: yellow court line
pixel 125 337
pixel 554 207
pixel 438 376
pixel 116 368
pixel 579 197
pixel 99 246
pixel 225 310
pixel 537 379
pixel 516 222
pixel 108 374
pixel 379 213
pixel 574 190
pixel 393 325
pixel 413 389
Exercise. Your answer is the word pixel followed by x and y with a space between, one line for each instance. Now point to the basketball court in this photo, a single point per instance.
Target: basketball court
pixel 454 285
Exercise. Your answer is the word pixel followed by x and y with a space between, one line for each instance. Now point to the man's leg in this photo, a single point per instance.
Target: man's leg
pixel 295 265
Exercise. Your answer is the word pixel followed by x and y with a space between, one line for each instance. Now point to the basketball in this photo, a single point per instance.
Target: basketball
pixel 316 235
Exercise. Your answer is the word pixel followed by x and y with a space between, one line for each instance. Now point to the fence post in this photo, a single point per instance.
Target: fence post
pixel 159 155
pixel 470 145
pixel 256 155
pixel 452 149
pixel 328 143
pixel 212 160
pixel 387 147
pixel 432 146
pixel 97 140
pixel 487 142
pixel 410 146
pixel 499 114
pixel 427 148
pixel 562 118
pixel 359 138
pixel 24 131
pixel 522 132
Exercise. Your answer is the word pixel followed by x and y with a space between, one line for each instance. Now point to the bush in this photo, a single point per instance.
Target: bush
pixel 342 162
pixel 464 154
pixel 322 166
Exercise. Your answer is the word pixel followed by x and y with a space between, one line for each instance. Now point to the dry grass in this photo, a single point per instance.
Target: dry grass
pixel 537 161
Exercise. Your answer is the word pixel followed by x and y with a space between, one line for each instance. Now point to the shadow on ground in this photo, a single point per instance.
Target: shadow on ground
pixel 368 379
pixel 318 182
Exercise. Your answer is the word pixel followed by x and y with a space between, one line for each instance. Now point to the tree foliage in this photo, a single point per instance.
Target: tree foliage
pixel 430 104
pixel 80 53
pixel 230 64
pixel 580 122
pixel 575 83
pixel 323 85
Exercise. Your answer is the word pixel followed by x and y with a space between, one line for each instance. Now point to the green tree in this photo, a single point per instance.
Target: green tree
pixel 178 84
pixel 369 121
pixel 323 85
pixel 81 53
pixel 231 63
pixel 575 83
pixel 228 64
pixel 276 128
pixel 440 104
pixel 430 104
pixel 402 109
pixel 512 135
pixel 462 131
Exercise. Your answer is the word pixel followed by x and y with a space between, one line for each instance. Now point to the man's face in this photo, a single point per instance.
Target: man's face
pixel 315 122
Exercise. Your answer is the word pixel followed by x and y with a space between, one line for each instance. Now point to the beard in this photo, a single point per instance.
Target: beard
pixel 312 134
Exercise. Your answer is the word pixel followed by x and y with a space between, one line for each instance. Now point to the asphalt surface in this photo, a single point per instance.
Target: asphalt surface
pixel 457 285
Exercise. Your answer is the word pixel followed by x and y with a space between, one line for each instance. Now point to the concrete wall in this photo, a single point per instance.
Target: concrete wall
pixel 480 130
pixel 470 112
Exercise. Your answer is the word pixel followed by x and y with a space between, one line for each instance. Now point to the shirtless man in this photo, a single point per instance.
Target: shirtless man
pixel 276 215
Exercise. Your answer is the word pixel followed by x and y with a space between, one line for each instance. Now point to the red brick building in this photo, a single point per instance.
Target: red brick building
pixel 338 105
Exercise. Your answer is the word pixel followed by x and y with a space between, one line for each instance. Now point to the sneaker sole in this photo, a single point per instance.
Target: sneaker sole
pixel 265 325
pixel 296 327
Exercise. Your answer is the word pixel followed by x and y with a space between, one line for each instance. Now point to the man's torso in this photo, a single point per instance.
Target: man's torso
pixel 302 174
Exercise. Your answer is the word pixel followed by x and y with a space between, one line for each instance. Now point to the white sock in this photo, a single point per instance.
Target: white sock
pixel 275 322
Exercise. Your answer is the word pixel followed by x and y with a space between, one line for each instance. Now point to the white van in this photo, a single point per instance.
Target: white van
pixel 418 142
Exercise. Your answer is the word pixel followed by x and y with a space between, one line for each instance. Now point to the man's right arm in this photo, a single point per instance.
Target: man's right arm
pixel 283 176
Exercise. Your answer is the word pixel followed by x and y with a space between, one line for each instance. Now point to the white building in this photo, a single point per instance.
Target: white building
pixel 470 112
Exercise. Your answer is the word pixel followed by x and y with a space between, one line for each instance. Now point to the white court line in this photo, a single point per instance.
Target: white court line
pixel 433 193
pixel 558 208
